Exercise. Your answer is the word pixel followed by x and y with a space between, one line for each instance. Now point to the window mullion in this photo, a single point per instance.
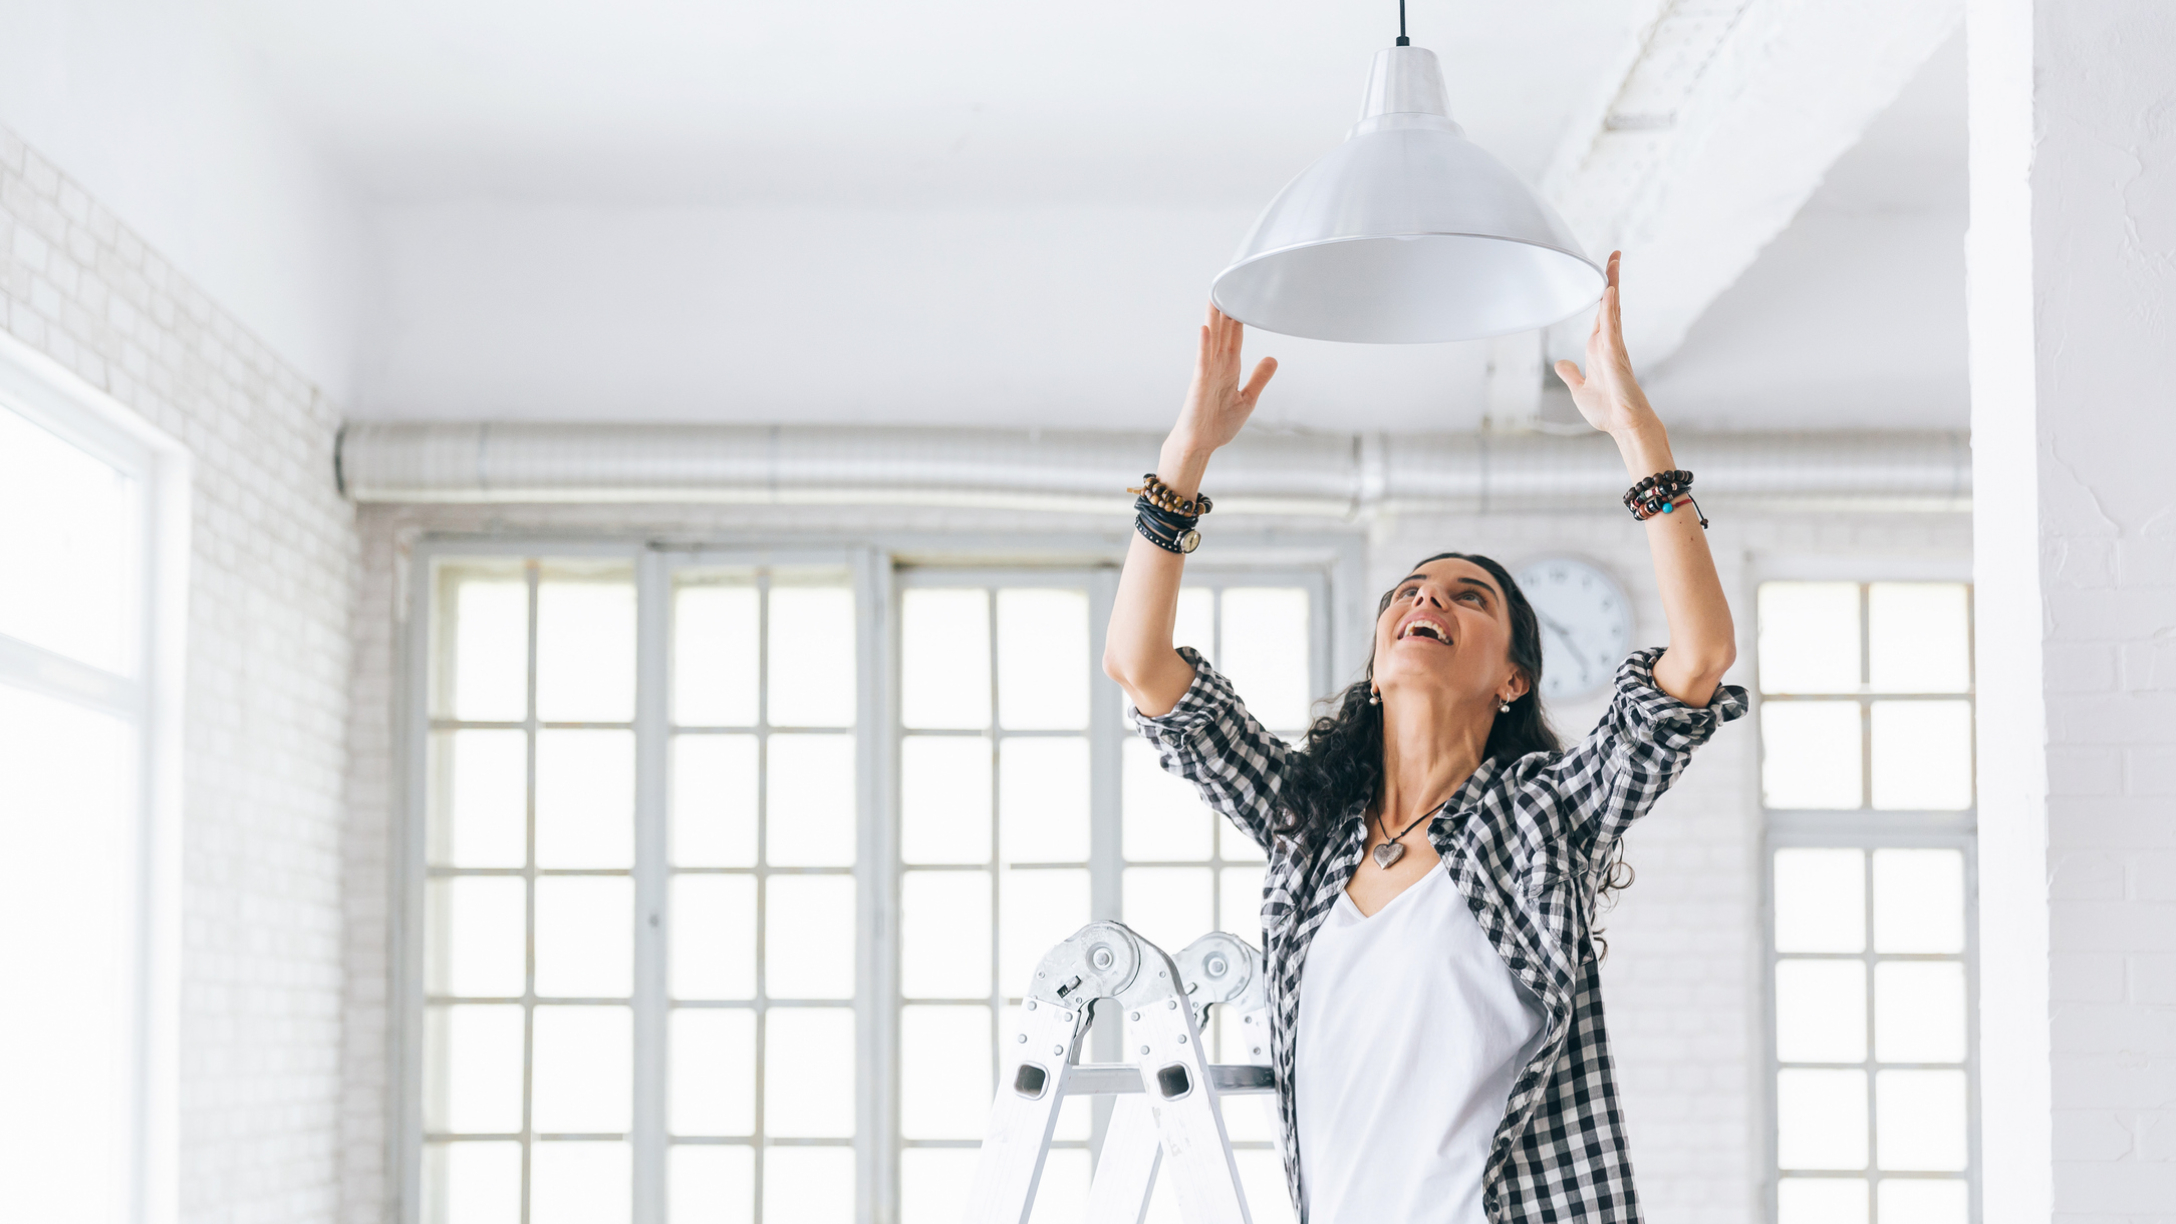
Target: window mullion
pixel 653 624
pixel 876 873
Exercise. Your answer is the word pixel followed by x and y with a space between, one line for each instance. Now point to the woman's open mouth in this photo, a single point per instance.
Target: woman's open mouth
pixel 1427 628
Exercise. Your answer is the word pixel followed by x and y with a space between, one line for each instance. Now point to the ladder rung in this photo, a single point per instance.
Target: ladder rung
pixel 1099 1080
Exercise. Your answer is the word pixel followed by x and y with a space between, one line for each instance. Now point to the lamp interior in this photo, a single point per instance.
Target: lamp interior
pixel 1406 289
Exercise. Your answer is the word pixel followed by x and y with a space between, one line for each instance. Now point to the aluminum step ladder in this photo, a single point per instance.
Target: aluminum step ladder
pixel 1166 1109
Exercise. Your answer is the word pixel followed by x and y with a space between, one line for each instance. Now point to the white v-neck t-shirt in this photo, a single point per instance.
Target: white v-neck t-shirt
pixel 1411 1031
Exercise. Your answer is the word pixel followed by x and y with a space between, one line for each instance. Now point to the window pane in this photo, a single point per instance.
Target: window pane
pixel 69 546
pixel 1918 901
pixel 944 664
pixel 809 937
pixel 480 799
pixel 809 1053
pixel 933 1184
pixel 1233 844
pixel 1042 800
pixel 944 1072
pixel 472 1069
pixel 490 663
pixel 809 819
pixel 1265 648
pixel 1195 624
pixel 1922 755
pixel 714 670
pixel 1924 1200
pixel 580 1183
pixel 944 799
pixel 1239 900
pixel 1042 659
pixel 472 1183
pixel 1038 909
pixel 713 937
pixel 478 936
pixel 584 1070
pixel 1821 1119
pixel 1920 1118
pixel 714 800
pixel 1165 819
pixel 1820 1011
pixel 1820 901
pixel 1823 1200
pixel 585 799
pixel 585 650
pixel 1809 637
pixel 711 1184
pixel 712 1083
pixel 813 682
pixel 1919 1011
pixel 585 937
pixel 944 934
pixel 1810 754
pixel 1918 641
pixel 1168 906
pixel 808 1185
pixel 1261 1176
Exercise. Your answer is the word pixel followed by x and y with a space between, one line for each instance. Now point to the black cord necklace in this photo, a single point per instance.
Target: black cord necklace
pixel 1394 849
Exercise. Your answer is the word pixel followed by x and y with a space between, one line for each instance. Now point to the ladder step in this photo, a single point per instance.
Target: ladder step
pixel 1091 1079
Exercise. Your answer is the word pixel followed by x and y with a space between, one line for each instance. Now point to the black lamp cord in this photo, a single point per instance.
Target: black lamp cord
pixel 1403 41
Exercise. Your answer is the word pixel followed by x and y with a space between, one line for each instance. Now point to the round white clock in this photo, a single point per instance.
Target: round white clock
pixel 1586 624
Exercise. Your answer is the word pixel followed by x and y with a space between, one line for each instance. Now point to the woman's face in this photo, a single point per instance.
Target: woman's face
pixel 1447 631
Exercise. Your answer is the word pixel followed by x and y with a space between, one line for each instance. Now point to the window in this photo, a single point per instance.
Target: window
pixel 89 611
pixel 1866 731
pixel 664 842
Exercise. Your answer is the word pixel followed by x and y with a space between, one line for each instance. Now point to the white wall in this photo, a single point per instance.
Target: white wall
pixel 155 112
pixel 264 743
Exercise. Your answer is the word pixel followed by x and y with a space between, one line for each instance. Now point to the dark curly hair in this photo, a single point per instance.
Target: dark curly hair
pixel 1342 757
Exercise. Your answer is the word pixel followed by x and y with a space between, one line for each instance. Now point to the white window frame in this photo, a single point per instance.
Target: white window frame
pixel 1867 829
pixel 150 700
pixel 1328 564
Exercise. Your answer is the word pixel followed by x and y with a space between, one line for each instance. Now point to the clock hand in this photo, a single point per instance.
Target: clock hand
pixel 1571 648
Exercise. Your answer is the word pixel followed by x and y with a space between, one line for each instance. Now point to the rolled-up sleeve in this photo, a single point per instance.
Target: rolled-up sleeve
pixel 1635 752
pixel 1210 740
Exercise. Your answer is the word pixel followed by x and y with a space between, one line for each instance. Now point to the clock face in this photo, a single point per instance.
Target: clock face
pixel 1586 625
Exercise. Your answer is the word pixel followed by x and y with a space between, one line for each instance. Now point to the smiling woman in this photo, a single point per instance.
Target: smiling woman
pixel 1436 1020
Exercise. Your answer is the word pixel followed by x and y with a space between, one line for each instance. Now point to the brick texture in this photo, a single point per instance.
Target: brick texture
pixel 273 555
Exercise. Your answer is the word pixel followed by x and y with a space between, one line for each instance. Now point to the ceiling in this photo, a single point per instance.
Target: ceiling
pixel 969 212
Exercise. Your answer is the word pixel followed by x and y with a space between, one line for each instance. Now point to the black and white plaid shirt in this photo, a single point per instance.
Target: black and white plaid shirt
pixel 1521 841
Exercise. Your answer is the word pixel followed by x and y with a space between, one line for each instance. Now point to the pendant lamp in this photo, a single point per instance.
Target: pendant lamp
pixel 1407 233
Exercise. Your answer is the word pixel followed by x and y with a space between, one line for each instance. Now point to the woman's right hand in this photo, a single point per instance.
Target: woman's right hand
pixel 1216 405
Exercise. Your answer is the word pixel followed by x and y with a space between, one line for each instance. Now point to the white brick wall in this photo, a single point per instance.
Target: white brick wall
pixel 273 558
pixel 1684 970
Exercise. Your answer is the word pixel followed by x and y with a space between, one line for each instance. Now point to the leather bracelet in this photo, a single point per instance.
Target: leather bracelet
pixel 1179 543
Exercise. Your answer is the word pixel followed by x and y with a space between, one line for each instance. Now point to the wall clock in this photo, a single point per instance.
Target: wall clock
pixel 1586 625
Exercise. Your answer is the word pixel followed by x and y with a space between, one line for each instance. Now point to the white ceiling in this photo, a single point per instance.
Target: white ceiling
pixel 971 212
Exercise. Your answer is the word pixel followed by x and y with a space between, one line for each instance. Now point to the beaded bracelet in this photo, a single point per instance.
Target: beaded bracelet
pixel 1163 497
pixel 1662 493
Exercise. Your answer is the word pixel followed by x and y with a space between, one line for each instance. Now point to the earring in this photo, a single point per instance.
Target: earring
pixel 1505 708
pixel 1374 698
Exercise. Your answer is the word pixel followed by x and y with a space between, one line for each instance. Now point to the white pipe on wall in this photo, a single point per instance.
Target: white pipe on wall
pixel 1263 472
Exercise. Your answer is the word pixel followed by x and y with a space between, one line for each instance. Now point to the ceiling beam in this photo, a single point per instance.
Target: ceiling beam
pixel 1725 117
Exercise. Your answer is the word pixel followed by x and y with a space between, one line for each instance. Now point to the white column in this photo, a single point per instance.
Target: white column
pixel 2072 269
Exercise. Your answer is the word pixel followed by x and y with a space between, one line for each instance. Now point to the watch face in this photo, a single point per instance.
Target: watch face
pixel 1586 625
pixel 1191 540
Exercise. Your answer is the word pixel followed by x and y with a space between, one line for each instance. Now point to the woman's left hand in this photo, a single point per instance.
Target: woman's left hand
pixel 1607 394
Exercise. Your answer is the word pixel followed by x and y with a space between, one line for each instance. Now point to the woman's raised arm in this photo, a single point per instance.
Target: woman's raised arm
pixel 1137 652
pixel 1703 644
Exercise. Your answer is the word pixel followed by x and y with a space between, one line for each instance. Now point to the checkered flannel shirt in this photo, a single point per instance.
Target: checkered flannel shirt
pixel 1522 841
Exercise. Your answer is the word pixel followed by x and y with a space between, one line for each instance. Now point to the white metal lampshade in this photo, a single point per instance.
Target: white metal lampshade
pixel 1407 233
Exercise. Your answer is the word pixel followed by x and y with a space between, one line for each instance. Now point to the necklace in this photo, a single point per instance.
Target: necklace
pixel 1393 849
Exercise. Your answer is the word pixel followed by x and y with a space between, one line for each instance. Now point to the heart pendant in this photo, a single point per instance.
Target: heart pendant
pixel 1388 853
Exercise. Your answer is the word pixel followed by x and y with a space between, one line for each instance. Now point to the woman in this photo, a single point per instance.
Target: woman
pixel 1435 856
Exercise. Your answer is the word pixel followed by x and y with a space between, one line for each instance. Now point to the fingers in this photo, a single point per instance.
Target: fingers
pixel 1570 374
pixel 1263 369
